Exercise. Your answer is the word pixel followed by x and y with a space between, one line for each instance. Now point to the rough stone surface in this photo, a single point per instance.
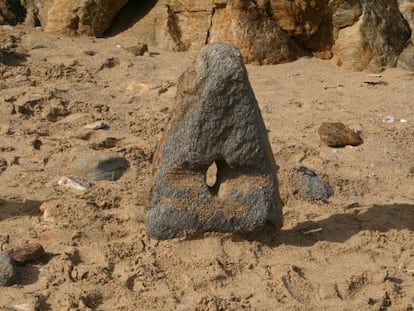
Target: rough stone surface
pixel 406 59
pixel 100 166
pixel 338 135
pixel 82 17
pixel 8 272
pixel 310 186
pixel 375 40
pixel 11 12
pixel 216 120
pixel 27 252
pixel 31 12
pixel 189 25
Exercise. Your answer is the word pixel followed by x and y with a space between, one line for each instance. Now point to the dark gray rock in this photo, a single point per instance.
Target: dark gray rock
pixel 8 272
pixel 100 166
pixel 310 186
pixel 216 120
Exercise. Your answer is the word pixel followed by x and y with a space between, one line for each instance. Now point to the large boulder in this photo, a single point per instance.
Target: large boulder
pixel 181 25
pixel 406 58
pixel 82 16
pixel 308 21
pixel 216 122
pixel 376 40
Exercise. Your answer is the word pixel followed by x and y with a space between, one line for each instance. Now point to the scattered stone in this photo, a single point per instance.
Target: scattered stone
pixel 28 252
pixel 216 120
pixel 314 188
pixel 338 135
pixel 73 183
pixel 98 125
pixel 138 50
pixel 304 184
pixel 8 271
pixel 100 166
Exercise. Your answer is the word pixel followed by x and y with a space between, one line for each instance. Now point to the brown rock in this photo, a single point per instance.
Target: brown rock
pixel 82 17
pixel 26 253
pixel 216 121
pixel 338 135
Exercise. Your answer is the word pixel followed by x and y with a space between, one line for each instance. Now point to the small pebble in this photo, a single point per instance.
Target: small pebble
pixel 8 271
pixel 73 183
pixel 28 252
pixel 98 125
pixel 388 119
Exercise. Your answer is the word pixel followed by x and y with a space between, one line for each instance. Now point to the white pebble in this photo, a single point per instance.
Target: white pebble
pixel 98 125
pixel 74 183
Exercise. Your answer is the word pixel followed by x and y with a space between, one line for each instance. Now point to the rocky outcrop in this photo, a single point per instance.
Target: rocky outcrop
pixel 30 12
pixel 376 40
pixel 189 25
pixel 217 122
pixel 406 58
pixel 357 34
pixel 81 16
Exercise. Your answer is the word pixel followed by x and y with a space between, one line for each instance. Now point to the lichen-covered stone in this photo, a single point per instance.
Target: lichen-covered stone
pixel 216 120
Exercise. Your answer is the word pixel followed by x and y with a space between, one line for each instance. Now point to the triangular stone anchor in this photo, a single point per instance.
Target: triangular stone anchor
pixel 217 120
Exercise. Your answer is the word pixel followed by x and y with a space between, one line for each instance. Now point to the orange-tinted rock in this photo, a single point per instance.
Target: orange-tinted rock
pixel 82 17
pixel 338 135
pixel 189 25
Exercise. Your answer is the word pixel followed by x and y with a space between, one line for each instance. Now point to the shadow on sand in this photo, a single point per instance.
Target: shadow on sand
pixel 18 208
pixel 12 58
pixel 341 227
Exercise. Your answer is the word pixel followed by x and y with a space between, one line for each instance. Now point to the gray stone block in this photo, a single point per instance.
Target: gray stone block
pixel 216 120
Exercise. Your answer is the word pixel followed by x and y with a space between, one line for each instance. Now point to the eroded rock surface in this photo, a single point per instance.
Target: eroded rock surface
pixel 82 17
pixel 216 120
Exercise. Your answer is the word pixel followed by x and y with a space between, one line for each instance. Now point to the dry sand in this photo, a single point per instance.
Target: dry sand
pixel 98 254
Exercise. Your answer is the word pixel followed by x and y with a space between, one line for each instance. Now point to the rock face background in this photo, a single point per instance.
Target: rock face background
pixel 357 34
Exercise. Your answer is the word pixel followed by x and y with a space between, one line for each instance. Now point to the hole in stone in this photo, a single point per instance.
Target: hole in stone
pixel 211 175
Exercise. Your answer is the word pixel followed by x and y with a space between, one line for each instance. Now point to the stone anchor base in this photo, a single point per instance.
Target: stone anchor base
pixel 216 122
